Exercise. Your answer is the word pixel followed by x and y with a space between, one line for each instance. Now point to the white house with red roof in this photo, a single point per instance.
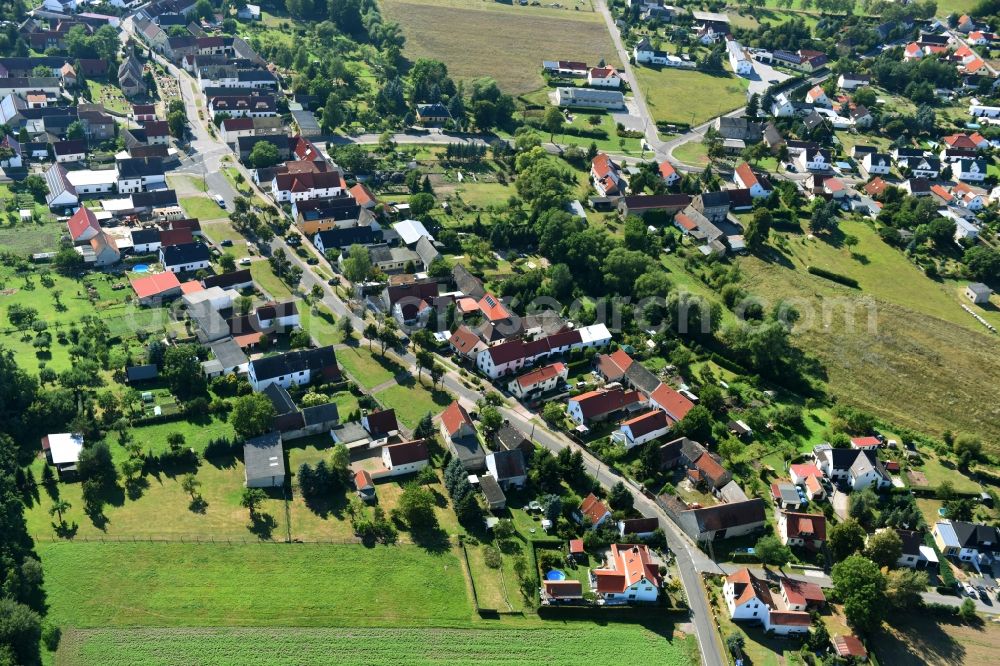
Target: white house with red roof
pixel 810 476
pixel 600 404
pixel 834 188
pixel 613 366
pixel 538 381
pixel 629 576
pixel 865 442
pixel 668 173
pixel 592 511
pixel 604 77
pixel 913 51
pixel 673 403
pixel 979 38
pixel 363 196
pixel 817 96
pixel 607 176
pixel 802 529
pixel 158 286
pixel 643 428
pixel 83 225
pixel 745 177
pixel 456 422
pixel 748 598
pixel 297 185
pixel 974 141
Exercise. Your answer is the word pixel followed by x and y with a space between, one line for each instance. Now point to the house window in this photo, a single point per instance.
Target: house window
pixel 631 596
pixel 755 613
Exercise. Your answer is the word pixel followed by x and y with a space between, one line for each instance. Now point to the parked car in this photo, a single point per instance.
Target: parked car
pixel 226 243
pixel 245 261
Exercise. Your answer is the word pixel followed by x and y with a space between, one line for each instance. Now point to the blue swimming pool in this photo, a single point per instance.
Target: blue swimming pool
pixel 140 268
pixel 555 574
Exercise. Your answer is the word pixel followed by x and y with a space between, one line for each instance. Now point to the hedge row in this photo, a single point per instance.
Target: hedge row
pixel 833 277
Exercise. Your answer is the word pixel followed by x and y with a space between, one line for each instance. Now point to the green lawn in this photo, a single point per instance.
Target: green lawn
pixel 206 585
pixel 363 365
pixel 692 152
pixel 108 95
pixel 689 96
pixel 565 644
pixel 202 208
pixel 265 278
pixel 413 402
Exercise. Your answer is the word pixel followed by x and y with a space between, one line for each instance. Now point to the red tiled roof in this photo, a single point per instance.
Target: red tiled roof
pixel 801 592
pixel 362 194
pixel 614 365
pixel 628 565
pixel 362 479
pixel 667 170
pixel 833 184
pixel 849 646
pixel 746 586
pixel 593 508
pixel 875 187
pixel 540 375
pixel 813 484
pixel 685 222
pixel 454 416
pixel 790 618
pixel 677 405
pixel 960 141
pixel 598 403
pixel 191 287
pixel 710 468
pixel 942 192
pixel 82 220
pixel 746 174
pixel 492 308
pixel 464 340
pixel 151 285
pixel 647 423
pixel 805 525
pixel 602 72
pixel 170 237
pixel 806 469
pixel 563 588
pixel 864 442
pixel 576 546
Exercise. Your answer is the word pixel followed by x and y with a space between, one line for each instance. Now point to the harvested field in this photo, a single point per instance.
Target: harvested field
pixel 507 43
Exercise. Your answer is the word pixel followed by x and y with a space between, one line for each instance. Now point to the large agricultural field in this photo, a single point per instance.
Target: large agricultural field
pixel 926 365
pixel 478 38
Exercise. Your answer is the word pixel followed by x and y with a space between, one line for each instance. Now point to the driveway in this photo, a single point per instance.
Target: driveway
pixel 841 504
pixel 763 77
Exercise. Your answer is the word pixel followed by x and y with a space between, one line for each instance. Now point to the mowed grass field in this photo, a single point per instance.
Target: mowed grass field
pixel 925 364
pixel 299 604
pixel 690 96
pixel 569 645
pixel 277 585
pixel 477 38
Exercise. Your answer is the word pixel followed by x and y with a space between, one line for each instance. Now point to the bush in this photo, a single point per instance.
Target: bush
pixel 491 556
pixel 833 277
pixel 50 636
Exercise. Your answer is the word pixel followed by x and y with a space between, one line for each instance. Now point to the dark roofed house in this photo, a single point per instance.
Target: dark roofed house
pixel 141 373
pixel 264 461
pixel 299 367
pixel 640 527
pixel 381 423
pixel 643 204
pixel 428 114
pixel 493 493
pixel 509 438
pixel 240 279
pixel 723 520
pixel 507 467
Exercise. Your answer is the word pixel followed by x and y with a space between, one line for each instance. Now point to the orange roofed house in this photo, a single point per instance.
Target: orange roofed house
pixel 592 511
pixel 749 598
pixel 802 529
pixel 599 405
pixel 629 576
pixel 607 176
pixel 532 384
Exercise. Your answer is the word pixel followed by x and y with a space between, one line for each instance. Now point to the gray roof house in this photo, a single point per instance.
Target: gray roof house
pixel 264 459
pixel 507 467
